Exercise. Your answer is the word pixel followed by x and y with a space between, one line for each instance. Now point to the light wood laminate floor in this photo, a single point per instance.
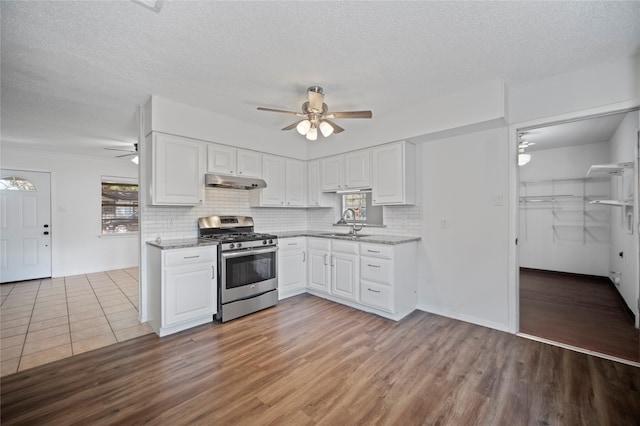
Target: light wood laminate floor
pixel 309 361
pixel 50 319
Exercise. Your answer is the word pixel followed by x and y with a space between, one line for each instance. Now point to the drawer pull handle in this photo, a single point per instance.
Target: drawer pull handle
pixel 373 251
pixel 292 244
pixel 373 266
pixel 372 290
pixel 192 257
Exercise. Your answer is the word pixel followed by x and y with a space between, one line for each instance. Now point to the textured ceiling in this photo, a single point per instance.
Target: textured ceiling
pixel 73 73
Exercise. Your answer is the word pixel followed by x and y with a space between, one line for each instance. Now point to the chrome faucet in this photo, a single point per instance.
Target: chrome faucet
pixel 354 228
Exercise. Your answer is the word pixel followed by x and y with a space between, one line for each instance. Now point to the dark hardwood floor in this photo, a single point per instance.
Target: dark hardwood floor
pixel 577 310
pixel 309 361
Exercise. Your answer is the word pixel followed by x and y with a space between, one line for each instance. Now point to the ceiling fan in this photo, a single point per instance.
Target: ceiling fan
pixel 129 152
pixel 315 115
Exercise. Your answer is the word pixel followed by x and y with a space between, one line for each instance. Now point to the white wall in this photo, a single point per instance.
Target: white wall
pixel 76 196
pixel 551 233
pixel 623 149
pixel 605 84
pixel 465 228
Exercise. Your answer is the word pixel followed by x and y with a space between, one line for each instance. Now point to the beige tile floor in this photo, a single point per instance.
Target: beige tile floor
pixel 46 320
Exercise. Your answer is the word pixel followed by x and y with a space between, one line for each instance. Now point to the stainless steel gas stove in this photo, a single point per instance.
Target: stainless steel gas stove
pixel 247 265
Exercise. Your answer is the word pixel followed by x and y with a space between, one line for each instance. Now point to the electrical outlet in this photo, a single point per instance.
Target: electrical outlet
pixel 170 223
pixel 444 224
pixel 496 199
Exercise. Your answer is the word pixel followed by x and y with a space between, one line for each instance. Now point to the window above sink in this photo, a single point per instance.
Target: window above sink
pixel 360 202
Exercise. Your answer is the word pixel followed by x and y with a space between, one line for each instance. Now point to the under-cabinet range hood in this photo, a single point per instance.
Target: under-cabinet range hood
pixel 212 180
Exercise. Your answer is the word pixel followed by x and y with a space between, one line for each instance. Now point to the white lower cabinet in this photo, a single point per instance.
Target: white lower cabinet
pixel 344 270
pixel 182 287
pixel 292 266
pixel 377 278
pixel 319 269
pixel 388 277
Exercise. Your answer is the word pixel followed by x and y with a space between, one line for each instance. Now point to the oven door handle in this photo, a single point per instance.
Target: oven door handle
pixel 248 252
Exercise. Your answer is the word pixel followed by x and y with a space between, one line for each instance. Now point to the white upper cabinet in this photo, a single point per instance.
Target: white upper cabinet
pixel 346 171
pixel 356 170
pixel 249 163
pixel 231 161
pixel 175 170
pixel 296 183
pixel 221 159
pixel 286 180
pixel 273 173
pixel 315 196
pixel 394 174
pixel 332 173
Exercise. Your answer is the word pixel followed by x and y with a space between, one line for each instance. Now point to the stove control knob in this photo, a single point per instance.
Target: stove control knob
pixel 238 245
pixel 264 242
pixel 270 241
pixel 231 245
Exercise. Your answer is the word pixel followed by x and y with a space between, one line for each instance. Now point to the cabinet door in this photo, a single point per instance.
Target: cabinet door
pixel 331 172
pixel 189 292
pixel 177 171
pixel 344 278
pixel 393 174
pixel 221 159
pixel 315 196
pixel 356 169
pixel 291 271
pixel 273 172
pixel 249 164
pixel 318 270
pixel 296 183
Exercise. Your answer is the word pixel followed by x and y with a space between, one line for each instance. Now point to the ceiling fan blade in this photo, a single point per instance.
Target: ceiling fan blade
pixel 336 128
pixel 281 110
pixel 350 114
pixel 127 155
pixel 118 149
pixel 292 126
pixel 316 99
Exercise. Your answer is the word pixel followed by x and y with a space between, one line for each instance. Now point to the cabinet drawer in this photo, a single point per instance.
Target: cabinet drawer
pixel 319 244
pixel 376 250
pixel 344 246
pixel 374 269
pixel 379 296
pixel 285 244
pixel 190 255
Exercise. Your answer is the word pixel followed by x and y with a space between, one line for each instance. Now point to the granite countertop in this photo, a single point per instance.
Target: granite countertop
pixel 337 235
pixel 182 243
pixel 341 235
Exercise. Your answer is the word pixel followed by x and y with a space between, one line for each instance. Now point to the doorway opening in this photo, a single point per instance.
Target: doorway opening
pixel 578 239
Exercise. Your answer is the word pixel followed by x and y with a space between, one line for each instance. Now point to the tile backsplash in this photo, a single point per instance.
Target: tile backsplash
pixel 182 222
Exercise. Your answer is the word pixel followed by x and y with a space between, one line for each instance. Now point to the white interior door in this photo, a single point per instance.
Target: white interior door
pixel 25 225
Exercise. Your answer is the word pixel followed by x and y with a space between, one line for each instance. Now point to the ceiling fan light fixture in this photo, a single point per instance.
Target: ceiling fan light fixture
pixel 312 134
pixel 326 129
pixel 303 127
pixel 523 159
